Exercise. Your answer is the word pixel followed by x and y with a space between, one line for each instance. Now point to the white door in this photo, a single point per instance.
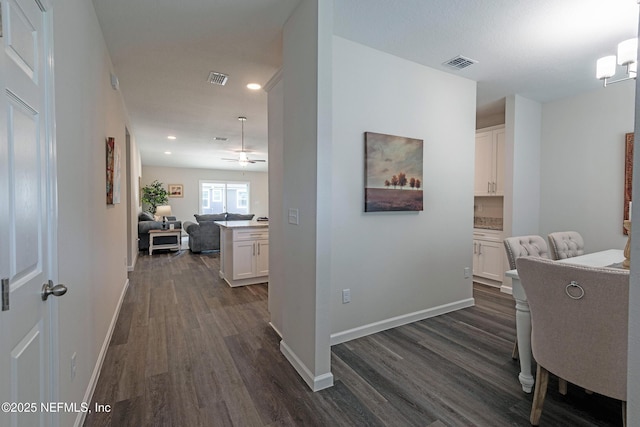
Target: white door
pixel 27 213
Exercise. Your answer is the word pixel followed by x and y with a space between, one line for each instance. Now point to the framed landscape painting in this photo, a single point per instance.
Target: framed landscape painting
pixel 176 190
pixel 393 173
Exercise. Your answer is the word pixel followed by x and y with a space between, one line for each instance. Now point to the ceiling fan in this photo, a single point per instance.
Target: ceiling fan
pixel 243 159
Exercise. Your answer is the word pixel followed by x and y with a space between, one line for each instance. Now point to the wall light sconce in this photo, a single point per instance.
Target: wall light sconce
pixel 627 57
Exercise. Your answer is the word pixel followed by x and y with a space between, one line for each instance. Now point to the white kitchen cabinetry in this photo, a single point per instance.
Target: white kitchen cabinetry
pixel 488 257
pixel 489 162
pixel 250 258
pixel 244 252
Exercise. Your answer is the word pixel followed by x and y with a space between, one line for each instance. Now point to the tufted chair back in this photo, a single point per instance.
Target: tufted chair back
pixel 579 318
pixel 566 244
pixel 525 246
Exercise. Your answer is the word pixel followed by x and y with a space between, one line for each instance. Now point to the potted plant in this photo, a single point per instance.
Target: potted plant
pixel 154 195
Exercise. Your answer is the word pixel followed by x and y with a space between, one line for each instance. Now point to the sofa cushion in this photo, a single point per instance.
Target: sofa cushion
pixel 239 217
pixel 210 217
pixel 145 216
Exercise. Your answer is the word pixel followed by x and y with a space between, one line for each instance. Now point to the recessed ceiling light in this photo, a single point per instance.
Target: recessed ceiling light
pixel 254 86
pixel 167 152
pixel 171 137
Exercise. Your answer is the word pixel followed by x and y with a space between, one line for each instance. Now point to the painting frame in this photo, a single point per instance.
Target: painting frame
pixel 113 178
pixel 393 161
pixel 175 190
pixel 628 176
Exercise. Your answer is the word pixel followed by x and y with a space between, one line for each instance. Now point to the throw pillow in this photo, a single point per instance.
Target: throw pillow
pixel 210 217
pixel 238 217
pixel 145 216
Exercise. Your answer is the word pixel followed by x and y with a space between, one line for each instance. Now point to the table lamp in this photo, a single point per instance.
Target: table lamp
pixel 164 211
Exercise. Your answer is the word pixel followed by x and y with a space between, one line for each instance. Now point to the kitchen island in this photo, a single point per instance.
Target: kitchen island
pixel 244 252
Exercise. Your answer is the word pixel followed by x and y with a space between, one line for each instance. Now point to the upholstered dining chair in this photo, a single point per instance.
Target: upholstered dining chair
pixel 579 327
pixel 518 246
pixel 565 244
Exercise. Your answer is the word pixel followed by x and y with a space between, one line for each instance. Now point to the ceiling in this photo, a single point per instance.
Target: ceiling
pixel 163 51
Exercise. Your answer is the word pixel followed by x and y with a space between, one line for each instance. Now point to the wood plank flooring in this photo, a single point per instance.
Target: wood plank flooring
pixel 188 350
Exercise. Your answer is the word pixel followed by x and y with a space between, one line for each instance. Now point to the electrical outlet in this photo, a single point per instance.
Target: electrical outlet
pixel 73 366
pixel 346 296
pixel 467 272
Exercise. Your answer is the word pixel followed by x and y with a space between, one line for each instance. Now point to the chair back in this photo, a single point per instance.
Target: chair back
pixel 525 246
pixel 565 244
pixel 579 318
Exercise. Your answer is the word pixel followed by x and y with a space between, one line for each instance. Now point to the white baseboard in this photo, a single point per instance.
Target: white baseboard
pixel 275 329
pixel 315 383
pixel 103 352
pixel 132 267
pixel 383 325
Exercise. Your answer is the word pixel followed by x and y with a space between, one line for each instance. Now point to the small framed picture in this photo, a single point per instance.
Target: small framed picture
pixel 176 190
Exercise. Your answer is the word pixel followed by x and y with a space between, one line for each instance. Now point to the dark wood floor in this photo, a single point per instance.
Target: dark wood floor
pixel 188 350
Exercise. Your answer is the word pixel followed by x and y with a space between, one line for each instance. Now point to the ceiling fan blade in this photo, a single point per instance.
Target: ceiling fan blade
pixel 230 160
pixel 254 161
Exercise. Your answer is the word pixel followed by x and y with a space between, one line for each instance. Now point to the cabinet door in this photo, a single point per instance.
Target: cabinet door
pixel 476 259
pixel 243 259
pixel 262 258
pixel 499 143
pixel 483 163
pixel 490 260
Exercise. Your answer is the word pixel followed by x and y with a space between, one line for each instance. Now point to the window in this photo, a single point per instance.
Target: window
pixel 221 196
pixel 242 201
pixel 205 199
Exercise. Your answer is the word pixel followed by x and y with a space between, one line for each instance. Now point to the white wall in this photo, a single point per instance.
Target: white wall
pixel 185 207
pixel 399 264
pixel 582 164
pixel 276 225
pixel 306 77
pixel 92 241
pixel 522 166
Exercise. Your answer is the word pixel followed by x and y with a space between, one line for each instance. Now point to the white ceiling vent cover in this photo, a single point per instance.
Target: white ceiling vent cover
pixel 217 78
pixel 459 62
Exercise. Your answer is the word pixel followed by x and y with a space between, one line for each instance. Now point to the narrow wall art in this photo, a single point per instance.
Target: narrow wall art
pixel 393 173
pixel 113 172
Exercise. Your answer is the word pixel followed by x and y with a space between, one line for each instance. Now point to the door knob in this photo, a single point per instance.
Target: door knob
pixel 49 289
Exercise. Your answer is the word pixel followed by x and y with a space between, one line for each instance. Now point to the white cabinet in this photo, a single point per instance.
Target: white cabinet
pixel 488 257
pixel 250 258
pixel 244 252
pixel 489 162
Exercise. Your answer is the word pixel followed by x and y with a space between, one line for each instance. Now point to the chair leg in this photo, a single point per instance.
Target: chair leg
pixel 542 380
pixel 624 414
pixel 562 386
pixel 514 353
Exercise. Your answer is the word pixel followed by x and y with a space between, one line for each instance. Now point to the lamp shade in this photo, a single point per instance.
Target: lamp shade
pixel 627 51
pixel 163 210
pixel 606 67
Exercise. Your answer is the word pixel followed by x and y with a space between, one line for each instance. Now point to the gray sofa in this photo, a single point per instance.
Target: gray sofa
pixel 205 234
pixel 146 223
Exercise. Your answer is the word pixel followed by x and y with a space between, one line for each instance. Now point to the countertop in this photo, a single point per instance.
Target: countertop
pixel 243 224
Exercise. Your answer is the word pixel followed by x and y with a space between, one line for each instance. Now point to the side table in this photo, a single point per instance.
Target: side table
pixel 177 233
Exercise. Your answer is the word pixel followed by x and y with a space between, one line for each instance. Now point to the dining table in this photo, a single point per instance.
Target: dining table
pixel 608 258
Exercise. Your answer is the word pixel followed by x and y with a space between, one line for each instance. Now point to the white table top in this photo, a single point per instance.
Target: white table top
pixel 243 224
pixel 595 259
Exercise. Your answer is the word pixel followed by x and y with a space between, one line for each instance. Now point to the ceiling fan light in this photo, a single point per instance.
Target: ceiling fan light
pixel 243 157
pixel 627 51
pixel 606 67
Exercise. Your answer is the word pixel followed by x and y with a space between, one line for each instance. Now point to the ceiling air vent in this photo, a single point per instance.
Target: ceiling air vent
pixel 459 62
pixel 220 138
pixel 217 78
